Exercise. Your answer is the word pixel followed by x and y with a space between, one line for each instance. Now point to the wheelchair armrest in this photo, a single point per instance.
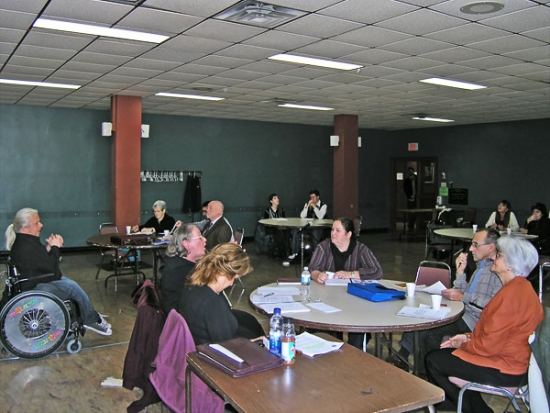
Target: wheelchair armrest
pixel 35 280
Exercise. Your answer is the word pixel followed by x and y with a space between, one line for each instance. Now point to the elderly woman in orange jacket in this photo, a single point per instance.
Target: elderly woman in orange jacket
pixel 497 351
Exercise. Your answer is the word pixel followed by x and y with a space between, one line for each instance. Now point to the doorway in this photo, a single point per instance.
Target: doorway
pixel 426 170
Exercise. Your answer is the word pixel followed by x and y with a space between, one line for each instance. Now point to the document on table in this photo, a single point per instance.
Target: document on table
pixel 434 288
pixel 278 291
pixel 280 219
pixel 424 312
pixel 286 308
pixel 271 299
pixel 311 345
pixel 331 282
pixel 325 308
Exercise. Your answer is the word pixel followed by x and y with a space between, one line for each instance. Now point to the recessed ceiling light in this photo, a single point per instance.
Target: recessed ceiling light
pixel 198 97
pixel 260 14
pixel 98 31
pixel 310 107
pixel 431 119
pixel 452 83
pixel 485 7
pixel 41 84
pixel 331 64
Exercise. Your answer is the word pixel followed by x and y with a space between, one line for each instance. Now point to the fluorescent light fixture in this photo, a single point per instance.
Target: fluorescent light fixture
pixel 294 106
pixel 430 119
pixel 98 31
pixel 452 83
pixel 331 64
pixel 198 97
pixel 42 84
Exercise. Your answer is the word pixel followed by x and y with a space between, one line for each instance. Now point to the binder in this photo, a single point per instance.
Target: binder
pixel 254 357
pixel 374 291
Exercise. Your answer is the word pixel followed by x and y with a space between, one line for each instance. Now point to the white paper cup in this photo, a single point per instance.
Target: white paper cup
pixel 166 232
pixel 509 230
pixel 410 289
pixel 474 227
pixel 436 301
pixel 128 230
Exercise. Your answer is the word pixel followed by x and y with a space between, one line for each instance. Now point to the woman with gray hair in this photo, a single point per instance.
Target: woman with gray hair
pixel 159 223
pixel 185 248
pixel 497 351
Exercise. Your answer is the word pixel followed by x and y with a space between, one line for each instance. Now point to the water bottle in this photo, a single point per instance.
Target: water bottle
pixel 305 280
pixel 275 332
pixel 288 342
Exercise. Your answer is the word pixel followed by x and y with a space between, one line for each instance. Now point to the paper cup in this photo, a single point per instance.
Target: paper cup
pixel 436 301
pixel 410 289
pixel 166 232
pixel 509 230
pixel 128 230
pixel 474 227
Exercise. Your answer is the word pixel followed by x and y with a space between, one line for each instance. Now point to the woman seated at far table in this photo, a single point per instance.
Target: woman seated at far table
pixel 497 351
pixel 538 224
pixel 347 258
pixel 503 218
pixel 205 306
pixel 159 223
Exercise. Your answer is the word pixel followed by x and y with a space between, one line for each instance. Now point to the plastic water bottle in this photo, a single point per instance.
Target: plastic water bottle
pixel 305 280
pixel 275 331
pixel 288 342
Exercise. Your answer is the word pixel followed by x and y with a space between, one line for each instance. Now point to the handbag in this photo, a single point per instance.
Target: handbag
pixel 254 358
pixel 374 291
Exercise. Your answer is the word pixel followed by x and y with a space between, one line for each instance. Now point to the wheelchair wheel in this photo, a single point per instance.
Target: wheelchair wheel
pixel 34 324
pixel 74 346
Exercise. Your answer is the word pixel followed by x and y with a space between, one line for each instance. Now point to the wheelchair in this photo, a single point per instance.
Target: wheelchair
pixel 36 323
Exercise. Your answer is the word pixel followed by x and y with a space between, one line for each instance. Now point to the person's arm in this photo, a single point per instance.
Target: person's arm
pixel 319 262
pixel 486 288
pixel 149 225
pixel 491 221
pixel 368 266
pixel 513 222
pixel 320 212
pixel 167 223
pixel 303 212
pixel 220 322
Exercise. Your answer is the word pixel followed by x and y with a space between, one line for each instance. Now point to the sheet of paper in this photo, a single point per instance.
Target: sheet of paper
pixel 279 290
pixel 226 352
pixel 337 281
pixel 325 308
pixel 286 308
pixel 311 345
pixel 424 312
pixel 330 274
pixel 280 219
pixel 434 288
pixel 271 299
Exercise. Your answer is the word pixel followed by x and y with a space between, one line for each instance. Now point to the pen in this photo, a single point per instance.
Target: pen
pixel 267 295
pixel 443 305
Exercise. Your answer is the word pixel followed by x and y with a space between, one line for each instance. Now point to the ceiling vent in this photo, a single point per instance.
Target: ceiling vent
pixel 259 14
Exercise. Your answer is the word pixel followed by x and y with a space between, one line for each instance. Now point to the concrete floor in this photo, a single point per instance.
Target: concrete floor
pixel 66 383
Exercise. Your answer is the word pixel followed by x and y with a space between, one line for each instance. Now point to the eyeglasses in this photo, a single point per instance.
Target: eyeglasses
pixel 476 245
pixel 499 254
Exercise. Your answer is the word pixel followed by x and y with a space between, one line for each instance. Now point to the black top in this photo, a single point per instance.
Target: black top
pixel 269 213
pixel 208 315
pixel 166 224
pixel 541 228
pixel 31 259
pixel 172 283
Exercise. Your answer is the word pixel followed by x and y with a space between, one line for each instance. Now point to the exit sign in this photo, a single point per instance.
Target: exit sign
pixel 413 147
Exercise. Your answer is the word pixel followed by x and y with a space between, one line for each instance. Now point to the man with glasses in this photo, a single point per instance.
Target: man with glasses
pixel 475 294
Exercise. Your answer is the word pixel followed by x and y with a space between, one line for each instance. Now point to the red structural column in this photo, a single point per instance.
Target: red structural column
pixel 346 159
pixel 125 160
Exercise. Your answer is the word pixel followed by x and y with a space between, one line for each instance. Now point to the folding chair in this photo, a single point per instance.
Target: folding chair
pixel 106 228
pixel 357 222
pixel 238 236
pixel 430 272
pixel 436 244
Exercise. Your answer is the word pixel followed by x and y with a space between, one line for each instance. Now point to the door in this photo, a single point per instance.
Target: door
pixel 426 169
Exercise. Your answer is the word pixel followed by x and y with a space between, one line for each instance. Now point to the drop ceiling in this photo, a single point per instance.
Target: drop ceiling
pixel 397 42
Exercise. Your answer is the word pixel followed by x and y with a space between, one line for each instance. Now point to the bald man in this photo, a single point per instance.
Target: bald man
pixel 218 230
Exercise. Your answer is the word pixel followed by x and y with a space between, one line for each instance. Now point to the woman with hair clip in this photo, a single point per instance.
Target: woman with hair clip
pixel 185 248
pixel 204 305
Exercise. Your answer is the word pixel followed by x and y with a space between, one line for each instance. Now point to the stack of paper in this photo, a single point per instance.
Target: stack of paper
pixel 424 312
pixel 285 308
pixel 337 281
pixel 325 308
pixel 311 345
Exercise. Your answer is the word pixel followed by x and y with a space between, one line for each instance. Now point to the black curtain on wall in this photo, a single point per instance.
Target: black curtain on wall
pixel 192 199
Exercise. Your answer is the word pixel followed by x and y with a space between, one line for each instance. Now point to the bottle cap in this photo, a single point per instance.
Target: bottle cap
pixel 276 310
pixel 306 269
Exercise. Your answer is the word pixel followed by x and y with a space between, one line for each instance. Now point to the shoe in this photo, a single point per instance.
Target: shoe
pixel 103 321
pixel 100 328
pixel 291 257
pixel 397 362
pixel 286 264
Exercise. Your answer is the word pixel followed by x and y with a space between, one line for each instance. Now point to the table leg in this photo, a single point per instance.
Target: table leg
pixel 188 404
pixel 416 352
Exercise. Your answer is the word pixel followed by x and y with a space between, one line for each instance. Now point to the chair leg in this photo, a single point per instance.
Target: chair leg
pixel 100 264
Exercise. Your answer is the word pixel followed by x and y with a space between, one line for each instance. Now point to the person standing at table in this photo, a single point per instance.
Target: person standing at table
pixel 538 224
pixel 410 188
pixel 347 258
pixel 475 295
pixel 313 209
pixel 32 259
pixel 205 307
pixel 497 352
pixel 278 237
pixel 218 230
pixel 185 248
pixel 503 218
pixel 159 223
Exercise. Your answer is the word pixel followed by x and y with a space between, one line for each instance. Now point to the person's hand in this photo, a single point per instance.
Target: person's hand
pixel 321 277
pixel 452 294
pixel 494 226
pixel 342 274
pixel 523 231
pixel 455 342
pixel 55 240
pixel 147 230
pixel 461 262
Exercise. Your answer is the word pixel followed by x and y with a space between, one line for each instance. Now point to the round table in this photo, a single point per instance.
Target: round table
pixel 295 222
pixel 362 316
pixel 104 241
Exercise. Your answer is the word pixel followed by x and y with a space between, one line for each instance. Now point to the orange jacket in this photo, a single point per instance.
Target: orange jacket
pixel 500 337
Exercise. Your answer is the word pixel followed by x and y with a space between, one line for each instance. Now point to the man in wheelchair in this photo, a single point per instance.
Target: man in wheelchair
pixel 32 259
